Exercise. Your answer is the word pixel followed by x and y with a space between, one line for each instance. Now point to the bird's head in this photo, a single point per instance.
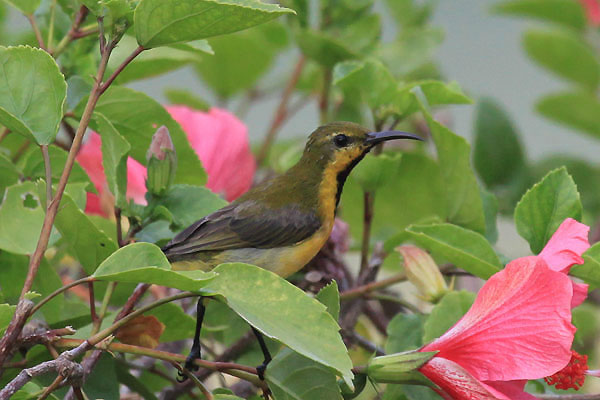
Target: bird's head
pixel 339 146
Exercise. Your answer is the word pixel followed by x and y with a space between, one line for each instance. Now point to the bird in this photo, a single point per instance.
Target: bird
pixel 282 223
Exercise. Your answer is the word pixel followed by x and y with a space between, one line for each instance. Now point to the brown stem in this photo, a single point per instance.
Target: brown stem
pixel 36 30
pixel 281 113
pixel 208 395
pixel 233 369
pixel 120 68
pixel 16 324
pixel 48 169
pixel 368 200
pixel 93 314
pixel 4 133
pixel 51 388
pixel 63 364
pixel 73 33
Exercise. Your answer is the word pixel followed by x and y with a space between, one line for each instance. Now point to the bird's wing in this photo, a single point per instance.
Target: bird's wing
pixel 244 225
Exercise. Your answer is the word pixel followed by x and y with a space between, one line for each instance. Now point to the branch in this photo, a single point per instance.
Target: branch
pixel 36 30
pixel 120 68
pixel 233 369
pixel 17 322
pixel 281 113
pixel 59 291
pixel 74 32
pixel 63 364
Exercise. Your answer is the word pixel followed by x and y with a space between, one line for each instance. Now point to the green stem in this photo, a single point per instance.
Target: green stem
pixel 102 313
pixel 51 27
pixel 59 291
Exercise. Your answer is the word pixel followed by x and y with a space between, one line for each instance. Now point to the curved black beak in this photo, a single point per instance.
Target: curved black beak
pixel 374 138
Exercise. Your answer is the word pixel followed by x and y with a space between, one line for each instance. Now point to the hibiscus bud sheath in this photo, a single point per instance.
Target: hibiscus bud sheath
pixel 400 368
pixel 162 162
pixel 422 271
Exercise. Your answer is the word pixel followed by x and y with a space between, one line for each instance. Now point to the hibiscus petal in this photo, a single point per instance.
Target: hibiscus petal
pixel 514 390
pixel 566 246
pixel 456 383
pixel 518 328
pixel 580 291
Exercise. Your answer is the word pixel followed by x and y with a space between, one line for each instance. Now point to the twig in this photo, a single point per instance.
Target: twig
pixel 62 364
pixel 16 324
pixel 36 30
pixel 282 111
pixel 364 343
pixel 370 287
pixel 52 387
pixel 368 200
pixel 51 26
pixel 46 337
pixel 59 291
pixel 152 369
pixel 207 394
pixel 4 134
pixel 233 369
pixel 120 68
pixel 20 151
pixel 73 33
pixel 93 314
pixel 48 169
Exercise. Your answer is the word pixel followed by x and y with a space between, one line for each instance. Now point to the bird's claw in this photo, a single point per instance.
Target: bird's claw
pixel 261 369
pixel 189 365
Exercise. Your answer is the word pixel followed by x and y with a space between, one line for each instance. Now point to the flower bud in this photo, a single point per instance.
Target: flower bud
pixel 400 368
pixel 423 272
pixel 162 162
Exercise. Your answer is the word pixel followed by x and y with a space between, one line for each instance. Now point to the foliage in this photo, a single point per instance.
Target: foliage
pixel 103 278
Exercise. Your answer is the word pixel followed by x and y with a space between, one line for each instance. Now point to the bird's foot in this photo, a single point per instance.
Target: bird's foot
pixel 261 369
pixel 189 365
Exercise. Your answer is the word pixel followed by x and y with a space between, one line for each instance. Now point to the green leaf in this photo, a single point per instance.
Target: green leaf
pixel 258 46
pixel 498 156
pixel 6 314
pixel 577 110
pixel 464 205
pixel 323 48
pixel 136 117
pixel 133 383
pixel 188 204
pixel 146 263
pixel 330 297
pixel 409 12
pixel 27 7
pixel 153 62
pixel 565 12
pixel 466 249
pixel 414 48
pixel 292 376
pixel 418 187
pixel 284 312
pixel 374 172
pixel 22 215
pixel 565 54
pixel 590 270
pixel 161 22
pixel 436 92
pixel 32 93
pixel 86 242
pixel 446 313
pixel 186 98
pixel 9 174
pixel 545 206
pixel 405 332
pixel 102 382
pixel 115 150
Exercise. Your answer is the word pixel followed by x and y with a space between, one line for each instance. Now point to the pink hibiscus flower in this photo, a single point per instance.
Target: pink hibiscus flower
pixel 219 139
pixel 519 328
pixel 592 8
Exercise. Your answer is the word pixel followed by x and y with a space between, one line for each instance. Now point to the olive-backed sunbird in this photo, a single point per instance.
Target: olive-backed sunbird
pixel 281 224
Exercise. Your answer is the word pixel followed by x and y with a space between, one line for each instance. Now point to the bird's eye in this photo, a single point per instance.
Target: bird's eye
pixel 341 140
